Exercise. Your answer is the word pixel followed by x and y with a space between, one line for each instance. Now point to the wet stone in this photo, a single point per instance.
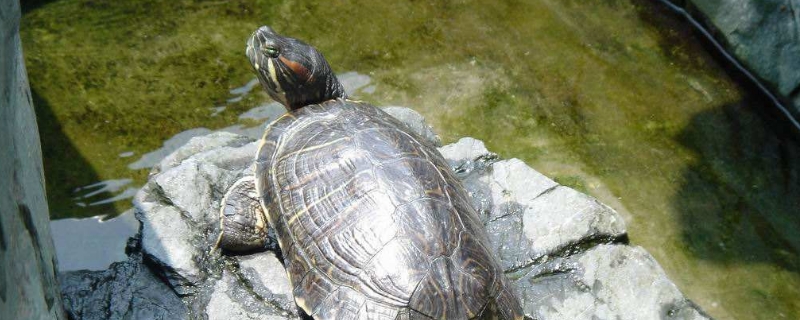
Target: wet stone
pixel 193 175
pixel 267 278
pixel 528 215
pixel 168 241
pixel 126 290
pixel 199 145
pixel 231 300
pixel 464 152
pixel 605 282
pixel 415 122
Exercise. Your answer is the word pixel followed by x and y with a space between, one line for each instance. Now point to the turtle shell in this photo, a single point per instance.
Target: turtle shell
pixel 371 221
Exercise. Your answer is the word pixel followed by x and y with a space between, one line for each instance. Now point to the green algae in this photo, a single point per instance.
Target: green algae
pixel 124 76
pixel 614 98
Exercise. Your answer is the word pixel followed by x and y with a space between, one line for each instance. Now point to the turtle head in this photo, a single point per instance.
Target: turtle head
pixel 293 72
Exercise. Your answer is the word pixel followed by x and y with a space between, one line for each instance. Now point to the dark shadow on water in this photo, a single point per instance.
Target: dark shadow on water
pixel 64 167
pixel 29 5
pixel 740 199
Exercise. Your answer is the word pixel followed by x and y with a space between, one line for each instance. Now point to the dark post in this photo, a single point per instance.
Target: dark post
pixel 28 286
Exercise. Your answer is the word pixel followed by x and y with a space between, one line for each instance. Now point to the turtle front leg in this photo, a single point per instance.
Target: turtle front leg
pixel 242 220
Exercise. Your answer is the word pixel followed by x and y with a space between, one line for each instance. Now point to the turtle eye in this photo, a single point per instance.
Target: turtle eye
pixel 270 51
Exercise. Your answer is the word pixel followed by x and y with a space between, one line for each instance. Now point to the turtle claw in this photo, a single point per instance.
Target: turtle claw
pixel 242 223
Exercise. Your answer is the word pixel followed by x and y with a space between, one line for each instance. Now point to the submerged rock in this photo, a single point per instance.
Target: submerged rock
pixel 565 251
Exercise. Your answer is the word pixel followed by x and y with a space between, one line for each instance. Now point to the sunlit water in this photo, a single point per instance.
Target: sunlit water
pixel 615 98
pixel 94 243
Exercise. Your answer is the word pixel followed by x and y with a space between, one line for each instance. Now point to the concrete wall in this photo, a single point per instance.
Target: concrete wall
pixel 28 288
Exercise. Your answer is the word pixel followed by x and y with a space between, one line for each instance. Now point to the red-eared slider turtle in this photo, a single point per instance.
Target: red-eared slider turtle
pixel 371 221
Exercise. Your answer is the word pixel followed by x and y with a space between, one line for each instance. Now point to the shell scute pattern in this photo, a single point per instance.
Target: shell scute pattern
pixel 314 288
pixel 345 303
pixel 437 232
pixel 387 144
pixel 375 224
pixel 382 228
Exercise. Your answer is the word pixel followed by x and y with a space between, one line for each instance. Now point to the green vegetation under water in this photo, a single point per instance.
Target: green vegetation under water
pixel 614 98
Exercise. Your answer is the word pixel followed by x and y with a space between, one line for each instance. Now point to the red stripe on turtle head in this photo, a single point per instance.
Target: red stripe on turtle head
pixel 299 70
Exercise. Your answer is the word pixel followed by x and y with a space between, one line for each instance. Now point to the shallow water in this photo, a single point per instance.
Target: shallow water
pixel 614 98
pixel 92 243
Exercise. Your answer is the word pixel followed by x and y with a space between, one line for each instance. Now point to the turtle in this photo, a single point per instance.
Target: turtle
pixel 371 221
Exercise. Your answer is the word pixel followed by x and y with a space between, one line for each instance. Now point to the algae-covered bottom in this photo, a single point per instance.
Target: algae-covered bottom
pixel 615 98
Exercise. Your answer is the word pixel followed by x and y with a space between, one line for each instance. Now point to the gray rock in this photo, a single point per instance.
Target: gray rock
pixel 605 282
pixel 28 287
pixel 127 290
pixel 527 214
pixel 266 112
pixel 245 89
pixel 564 250
pixel 266 275
pixel 149 159
pixel 353 81
pixel 462 153
pixel 763 36
pixel 178 208
pixel 230 299
pixel 415 122
pixel 170 242
pixel 214 141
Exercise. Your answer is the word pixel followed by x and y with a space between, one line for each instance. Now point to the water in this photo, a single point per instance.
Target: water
pixel 92 243
pixel 614 98
pixel 353 82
